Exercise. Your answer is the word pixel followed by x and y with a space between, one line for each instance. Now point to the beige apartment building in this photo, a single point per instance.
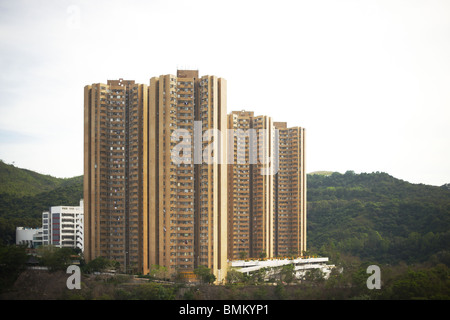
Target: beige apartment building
pixel 240 180
pixel 146 204
pixel 188 190
pixel 166 184
pixel 115 173
pixel 266 186
pixel 250 185
pixel 290 192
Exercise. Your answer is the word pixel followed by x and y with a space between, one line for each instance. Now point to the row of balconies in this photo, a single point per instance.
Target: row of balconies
pixel 182 216
pixel 177 252
pixel 185 236
pixel 186 116
pixel 185 85
pixel 184 203
pixel 182 221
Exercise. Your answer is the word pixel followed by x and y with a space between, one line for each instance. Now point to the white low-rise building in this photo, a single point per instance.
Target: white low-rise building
pixel 62 226
pixel 301 266
pixel 28 236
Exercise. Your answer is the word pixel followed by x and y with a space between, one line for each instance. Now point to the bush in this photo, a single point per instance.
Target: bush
pixel 99 264
pixel 55 258
pixel 12 262
pixel 153 291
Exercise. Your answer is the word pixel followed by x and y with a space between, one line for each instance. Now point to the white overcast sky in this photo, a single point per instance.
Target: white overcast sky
pixel 369 80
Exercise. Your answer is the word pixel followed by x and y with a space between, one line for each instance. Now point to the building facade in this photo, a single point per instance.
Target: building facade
pixel 188 205
pixel 290 192
pixel 166 184
pixel 272 267
pixel 63 226
pixel 250 185
pixel 146 204
pixel 267 188
pixel 115 177
pixel 30 237
pixel 239 185
pixel 262 188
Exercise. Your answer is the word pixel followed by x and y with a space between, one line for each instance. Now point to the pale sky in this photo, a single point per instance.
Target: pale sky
pixel 369 80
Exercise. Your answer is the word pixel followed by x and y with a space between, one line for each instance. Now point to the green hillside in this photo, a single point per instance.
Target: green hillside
pixel 379 218
pixel 372 216
pixel 23 182
pixel 25 194
pixel 354 219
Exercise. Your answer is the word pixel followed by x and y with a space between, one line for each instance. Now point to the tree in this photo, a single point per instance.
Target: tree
pixel 287 273
pixel 234 276
pixel 314 275
pixel 280 292
pixel 100 264
pixel 12 262
pixel 153 291
pixel 158 272
pixel 259 275
pixel 204 274
pixel 55 258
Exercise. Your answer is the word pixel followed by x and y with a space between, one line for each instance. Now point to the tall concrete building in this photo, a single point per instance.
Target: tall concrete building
pixel 153 195
pixel 165 184
pixel 115 172
pixel 266 186
pixel 290 192
pixel 262 189
pixel 250 185
pixel 62 226
pixel 189 203
pixel 239 185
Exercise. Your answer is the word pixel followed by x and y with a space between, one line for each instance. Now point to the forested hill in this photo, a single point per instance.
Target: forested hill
pixel 378 218
pixel 25 194
pixel 23 182
pixel 373 216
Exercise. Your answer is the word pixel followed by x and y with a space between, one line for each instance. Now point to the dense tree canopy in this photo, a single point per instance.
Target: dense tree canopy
pixel 25 194
pixel 377 217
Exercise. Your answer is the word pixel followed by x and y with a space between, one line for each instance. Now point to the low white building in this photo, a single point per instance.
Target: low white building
pixel 62 226
pixel 301 266
pixel 28 236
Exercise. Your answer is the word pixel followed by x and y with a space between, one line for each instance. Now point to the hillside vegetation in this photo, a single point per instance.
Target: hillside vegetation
pixel 355 219
pixel 373 216
pixel 23 182
pixel 25 194
pixel 379 218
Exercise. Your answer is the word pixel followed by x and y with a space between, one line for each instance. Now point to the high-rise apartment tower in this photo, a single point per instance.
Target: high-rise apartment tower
pixel 155 175
pixel 266 187
pixel 251 172
pixel 290 192
pixel 166 184
pixel 115 172
pixel 187 195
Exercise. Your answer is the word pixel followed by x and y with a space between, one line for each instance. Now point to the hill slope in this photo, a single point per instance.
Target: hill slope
pixel 22 182
pixel 378 217
pixel 372 216
pixel 25 194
